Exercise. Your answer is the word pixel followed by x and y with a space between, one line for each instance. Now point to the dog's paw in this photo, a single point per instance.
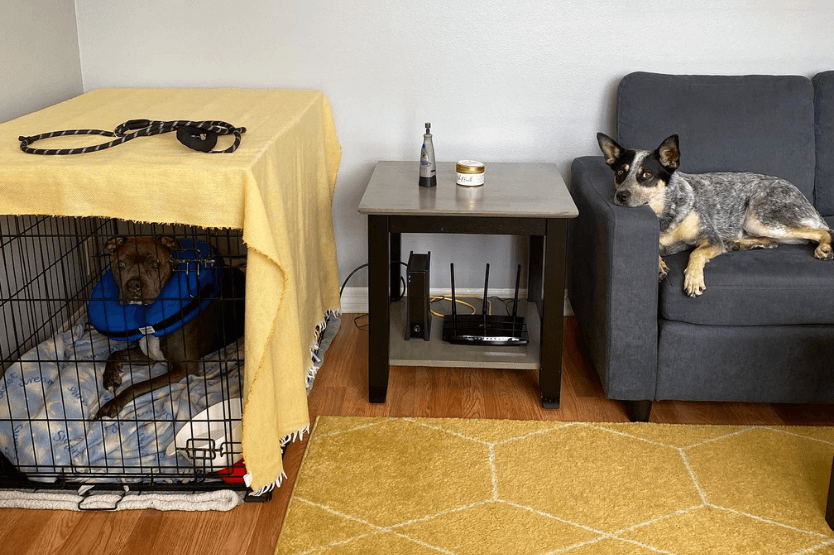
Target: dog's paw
pixel 112 377
pixel 662 270
pixel 693 285
pixel 110 409
pixel 824 252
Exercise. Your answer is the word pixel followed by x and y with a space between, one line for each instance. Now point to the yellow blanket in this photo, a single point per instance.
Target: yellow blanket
pixel 277 187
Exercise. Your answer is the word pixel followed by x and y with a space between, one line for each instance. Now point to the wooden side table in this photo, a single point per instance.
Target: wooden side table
pixel 517 199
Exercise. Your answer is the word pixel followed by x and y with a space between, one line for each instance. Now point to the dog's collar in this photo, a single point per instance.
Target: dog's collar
pixel 193 286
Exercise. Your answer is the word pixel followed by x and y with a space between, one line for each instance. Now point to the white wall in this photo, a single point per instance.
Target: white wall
pixel 39 61
pixel 526 80
pixel 39 66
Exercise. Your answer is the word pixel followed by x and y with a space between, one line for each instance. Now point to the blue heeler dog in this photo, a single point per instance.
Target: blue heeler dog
pixel 713 212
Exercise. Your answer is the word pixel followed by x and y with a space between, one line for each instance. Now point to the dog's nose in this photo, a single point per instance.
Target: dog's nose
pixel 623 196
pixel 134 285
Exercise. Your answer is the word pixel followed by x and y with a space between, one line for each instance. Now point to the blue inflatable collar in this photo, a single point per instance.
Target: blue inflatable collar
pixel 194 285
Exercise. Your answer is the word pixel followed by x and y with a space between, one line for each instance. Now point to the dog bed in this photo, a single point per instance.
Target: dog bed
pixel 49 397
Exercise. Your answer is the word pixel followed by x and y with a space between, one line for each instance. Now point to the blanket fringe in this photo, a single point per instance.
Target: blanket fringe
pixel 295 436
pixel 320 341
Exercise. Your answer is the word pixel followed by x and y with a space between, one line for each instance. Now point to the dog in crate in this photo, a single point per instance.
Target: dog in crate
pixel 174 297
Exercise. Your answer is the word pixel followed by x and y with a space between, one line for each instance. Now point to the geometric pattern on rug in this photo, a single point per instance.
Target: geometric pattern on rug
pixel 481 487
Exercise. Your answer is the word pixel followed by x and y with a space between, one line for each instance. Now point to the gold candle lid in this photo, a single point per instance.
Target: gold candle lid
pixel 469 166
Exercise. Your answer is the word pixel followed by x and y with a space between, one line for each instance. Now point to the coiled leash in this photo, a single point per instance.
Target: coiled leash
pixel 196 135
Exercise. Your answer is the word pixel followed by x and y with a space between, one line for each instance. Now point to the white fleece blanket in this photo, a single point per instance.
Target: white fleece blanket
pixel 48 397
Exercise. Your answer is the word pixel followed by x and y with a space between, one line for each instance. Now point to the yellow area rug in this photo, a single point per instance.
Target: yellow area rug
pixel 478 487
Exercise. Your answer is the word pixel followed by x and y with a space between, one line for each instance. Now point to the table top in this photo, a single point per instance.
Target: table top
pixel 528 190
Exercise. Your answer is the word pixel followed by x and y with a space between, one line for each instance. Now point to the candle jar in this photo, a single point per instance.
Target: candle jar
pixel 470 173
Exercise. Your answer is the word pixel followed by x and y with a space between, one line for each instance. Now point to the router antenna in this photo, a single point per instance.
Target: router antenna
pixel 515 299
pixel 486 289
pixel 454 301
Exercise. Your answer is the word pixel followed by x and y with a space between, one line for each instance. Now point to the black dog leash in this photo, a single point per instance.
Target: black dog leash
pixel 196 135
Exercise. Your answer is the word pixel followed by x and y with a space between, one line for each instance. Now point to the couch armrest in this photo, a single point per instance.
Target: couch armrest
pixel 612 282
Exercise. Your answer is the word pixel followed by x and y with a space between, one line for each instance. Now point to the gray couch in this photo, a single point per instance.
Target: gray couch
pixel 763 331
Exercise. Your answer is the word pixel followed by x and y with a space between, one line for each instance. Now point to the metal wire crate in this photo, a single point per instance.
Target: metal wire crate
pixel 52 360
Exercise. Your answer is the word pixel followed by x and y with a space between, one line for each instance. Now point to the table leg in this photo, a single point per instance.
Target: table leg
pixel 534 270
pixel 396 256
pixel 379 274
pixel 550 374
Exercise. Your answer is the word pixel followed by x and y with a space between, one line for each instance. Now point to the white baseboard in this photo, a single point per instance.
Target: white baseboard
pixel 355 299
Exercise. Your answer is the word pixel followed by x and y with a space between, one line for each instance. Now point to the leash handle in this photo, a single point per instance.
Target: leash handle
pixel 196 135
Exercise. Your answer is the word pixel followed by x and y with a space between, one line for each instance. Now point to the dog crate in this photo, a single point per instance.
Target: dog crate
pixel 183 436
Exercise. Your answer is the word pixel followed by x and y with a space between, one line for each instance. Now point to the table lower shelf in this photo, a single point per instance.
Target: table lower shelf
pixel 439 353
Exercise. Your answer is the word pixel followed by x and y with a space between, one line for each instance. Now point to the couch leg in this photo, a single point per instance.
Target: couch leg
pixel 638 411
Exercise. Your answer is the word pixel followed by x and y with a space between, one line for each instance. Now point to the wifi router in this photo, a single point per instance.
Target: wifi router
pixel 485 329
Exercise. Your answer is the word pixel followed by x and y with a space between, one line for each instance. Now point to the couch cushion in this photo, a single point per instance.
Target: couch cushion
pixel 824 120
pixel 757 123
pixel 781 286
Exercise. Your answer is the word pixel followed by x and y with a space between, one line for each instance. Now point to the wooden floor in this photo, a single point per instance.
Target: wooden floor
pixel 340 389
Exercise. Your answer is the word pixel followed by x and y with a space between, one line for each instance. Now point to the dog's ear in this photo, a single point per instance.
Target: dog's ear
pixel 610 149
pixel 168 242
pixel 114 243
pixel 669 153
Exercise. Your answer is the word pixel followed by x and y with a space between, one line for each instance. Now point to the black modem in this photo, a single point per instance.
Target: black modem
pixel 418 299
pixel 485 329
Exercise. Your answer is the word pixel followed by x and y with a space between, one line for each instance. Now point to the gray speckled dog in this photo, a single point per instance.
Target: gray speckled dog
pixel 713 212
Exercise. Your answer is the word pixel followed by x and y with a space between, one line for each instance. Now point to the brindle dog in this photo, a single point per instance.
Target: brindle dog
pixel 141 267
